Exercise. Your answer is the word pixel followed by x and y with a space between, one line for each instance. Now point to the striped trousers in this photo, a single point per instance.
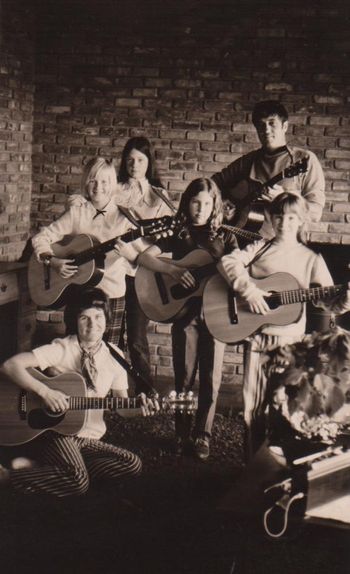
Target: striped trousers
pixel 66 465
pixel 255 387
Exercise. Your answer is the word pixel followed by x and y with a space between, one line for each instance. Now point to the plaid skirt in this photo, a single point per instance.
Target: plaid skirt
pixel 113 333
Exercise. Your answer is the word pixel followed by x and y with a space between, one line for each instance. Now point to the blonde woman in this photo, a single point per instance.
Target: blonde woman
pixel 95 214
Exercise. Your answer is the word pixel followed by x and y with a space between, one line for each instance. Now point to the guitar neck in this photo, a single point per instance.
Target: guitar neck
pixel 275 179
pixel 103 403
pixel 103 248
pixel 270 183
pixel 291 171
pixel 250 235
pixel 305 295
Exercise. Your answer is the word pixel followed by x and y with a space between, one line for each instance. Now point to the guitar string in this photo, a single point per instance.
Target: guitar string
pixel 300 295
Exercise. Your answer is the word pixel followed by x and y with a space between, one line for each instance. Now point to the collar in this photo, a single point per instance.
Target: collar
pixel 148 197
pixel 99 212
pixel 275 152
pixel 261 153
pixel 102 212
pixel 90 350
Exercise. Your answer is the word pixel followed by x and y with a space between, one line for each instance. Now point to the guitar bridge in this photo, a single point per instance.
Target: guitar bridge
pixel 161 288
pixel 22 405
pixel 232 307
pixel 47 276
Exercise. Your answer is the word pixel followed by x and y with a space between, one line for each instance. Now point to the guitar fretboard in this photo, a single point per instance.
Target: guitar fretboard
pixel 103 403
pixel 291 171
pixel 102 248
pixel 305 295
pixel 242 232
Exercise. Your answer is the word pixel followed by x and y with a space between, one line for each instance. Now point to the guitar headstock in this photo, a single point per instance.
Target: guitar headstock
pixel 297 168
pixel 181 402
pixel 158 227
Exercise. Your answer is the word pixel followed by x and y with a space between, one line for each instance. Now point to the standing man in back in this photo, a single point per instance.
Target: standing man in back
pixel 270 119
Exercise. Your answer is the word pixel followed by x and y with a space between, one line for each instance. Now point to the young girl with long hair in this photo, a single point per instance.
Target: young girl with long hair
pixel 200 216
pixel 140 192
pixel 286 252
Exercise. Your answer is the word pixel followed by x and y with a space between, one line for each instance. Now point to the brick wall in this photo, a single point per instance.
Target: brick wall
pixel 187 74
pixel 16 127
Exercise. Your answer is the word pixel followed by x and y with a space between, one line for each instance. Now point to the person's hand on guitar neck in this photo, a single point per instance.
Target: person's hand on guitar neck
pixel 149 404
pixel 126 250
pixel 269 193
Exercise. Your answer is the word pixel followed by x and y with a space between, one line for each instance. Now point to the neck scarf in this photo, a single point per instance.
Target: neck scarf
pixel 88 365
pixel 99 212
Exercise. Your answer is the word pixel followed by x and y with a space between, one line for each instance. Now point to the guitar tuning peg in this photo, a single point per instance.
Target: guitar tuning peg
pixel 172 395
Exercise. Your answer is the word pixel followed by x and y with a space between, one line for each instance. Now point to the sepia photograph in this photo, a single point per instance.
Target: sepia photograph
pixel 174 286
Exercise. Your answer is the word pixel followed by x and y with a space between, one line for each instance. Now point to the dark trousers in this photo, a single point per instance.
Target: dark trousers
pixel 136 330
pixel 195 348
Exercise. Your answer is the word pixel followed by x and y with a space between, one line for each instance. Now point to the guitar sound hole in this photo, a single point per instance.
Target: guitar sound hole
pixel 179 291
pixel 40 419
pixel 272 302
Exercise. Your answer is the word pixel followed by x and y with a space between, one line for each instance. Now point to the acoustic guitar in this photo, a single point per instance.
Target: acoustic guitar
pixel 230 320
pixel 23 415
pixel 164 300
pixel 160 296
pixel 241 233
pixel 249 209
pixel 49 289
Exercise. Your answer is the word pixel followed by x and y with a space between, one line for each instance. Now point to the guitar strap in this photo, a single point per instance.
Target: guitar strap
pixel 127 213
pixel 158 191
pixel 292 162
pixel 261 252
pixel 142 385
pixel 129 216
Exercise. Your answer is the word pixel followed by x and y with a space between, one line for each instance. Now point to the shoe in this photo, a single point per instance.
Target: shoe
pixel 201 448
pixel 183 446
pixel 178 446
pixel 4 476
pixel 21 462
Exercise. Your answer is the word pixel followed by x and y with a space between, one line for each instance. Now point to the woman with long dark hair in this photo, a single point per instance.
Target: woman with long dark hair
pixel 141 193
